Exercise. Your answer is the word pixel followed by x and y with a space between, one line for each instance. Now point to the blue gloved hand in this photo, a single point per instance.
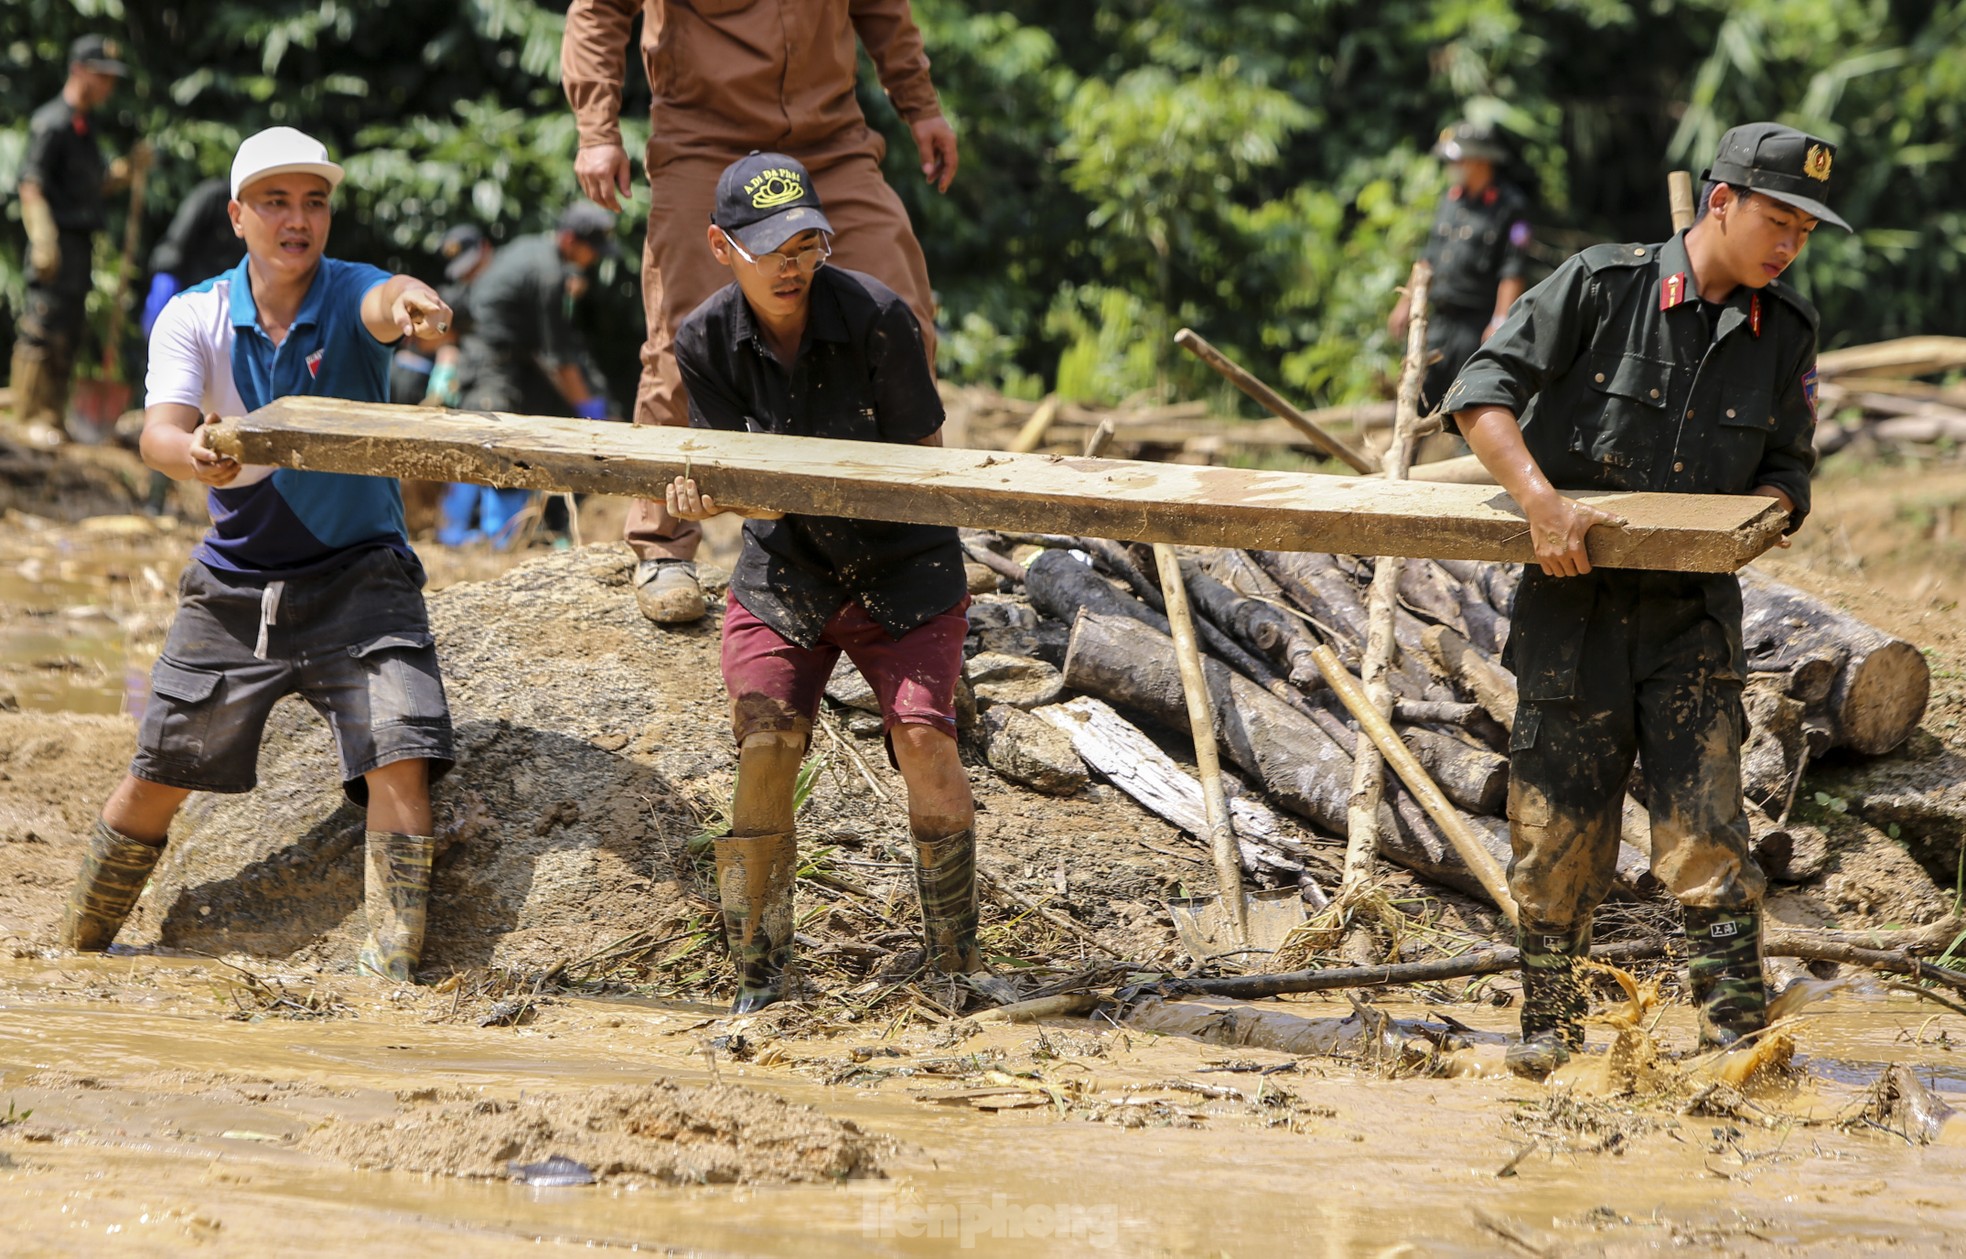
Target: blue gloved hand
pixel 595 408
pixel 163 287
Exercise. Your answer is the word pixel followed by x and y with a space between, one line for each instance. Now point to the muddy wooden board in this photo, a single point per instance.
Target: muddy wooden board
pixel 1109 498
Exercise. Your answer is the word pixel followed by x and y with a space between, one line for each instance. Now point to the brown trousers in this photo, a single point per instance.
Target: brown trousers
pixel 871 234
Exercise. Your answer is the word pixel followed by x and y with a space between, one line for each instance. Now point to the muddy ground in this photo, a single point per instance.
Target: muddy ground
pixel 230 1084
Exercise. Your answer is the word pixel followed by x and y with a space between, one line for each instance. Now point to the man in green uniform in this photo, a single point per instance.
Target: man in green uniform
pixel 1477 255
pixel 62 181
pixel 520 351
pixel 1683 367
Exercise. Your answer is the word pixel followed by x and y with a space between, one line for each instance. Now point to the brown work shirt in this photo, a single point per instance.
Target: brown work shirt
pixel 729 76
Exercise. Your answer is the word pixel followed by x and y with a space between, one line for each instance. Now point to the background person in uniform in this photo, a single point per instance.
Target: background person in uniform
pixel 521 352
pixel 305 583
pixel 62 182
pixel 800 348
pixel 198 245
pixel 730 78
pixel 1686 367
pixel 1476 250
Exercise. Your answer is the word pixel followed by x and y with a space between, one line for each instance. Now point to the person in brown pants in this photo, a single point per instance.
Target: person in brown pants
pixel 730 77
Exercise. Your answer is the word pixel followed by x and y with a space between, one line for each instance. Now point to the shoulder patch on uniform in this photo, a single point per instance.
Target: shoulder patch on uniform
pixel 1519 233
pixel 1603 257
pixel 1809 389
pixel 1795 301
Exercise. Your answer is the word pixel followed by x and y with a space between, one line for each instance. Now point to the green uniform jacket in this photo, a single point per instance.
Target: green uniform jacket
pixel 1477 243
pixel 1609 369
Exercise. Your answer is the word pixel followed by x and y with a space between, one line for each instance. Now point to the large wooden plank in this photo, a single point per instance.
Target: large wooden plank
pixel 1108 498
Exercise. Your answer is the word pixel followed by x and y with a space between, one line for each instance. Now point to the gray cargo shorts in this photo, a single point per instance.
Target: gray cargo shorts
pixel 354 642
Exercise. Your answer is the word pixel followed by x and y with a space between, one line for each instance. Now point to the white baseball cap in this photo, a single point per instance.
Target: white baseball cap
pixel 281 151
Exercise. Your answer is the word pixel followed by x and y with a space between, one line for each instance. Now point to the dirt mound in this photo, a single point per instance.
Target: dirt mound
pixel 657 1132
pixel 70 483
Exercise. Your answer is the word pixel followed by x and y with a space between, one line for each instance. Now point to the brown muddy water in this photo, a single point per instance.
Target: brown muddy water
pixel 161 1123
pixel 154 1105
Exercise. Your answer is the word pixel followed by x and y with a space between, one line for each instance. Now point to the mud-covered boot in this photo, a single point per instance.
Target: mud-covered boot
pixel 1724 973
pixel 113 873
pixel 30 404
pixel 1553 1002
pixel 667 592
pixel 396 902
pixel 945 879
pixel 755 874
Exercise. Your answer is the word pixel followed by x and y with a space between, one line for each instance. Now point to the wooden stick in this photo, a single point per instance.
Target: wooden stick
pixel 1494 961
pixel 1368 767
pixel 1679 195
pixel 1110 498
pixel 1191 341
pixel 1099 438
pixel 1031 436
pixel 1201 723
pixel 1452 825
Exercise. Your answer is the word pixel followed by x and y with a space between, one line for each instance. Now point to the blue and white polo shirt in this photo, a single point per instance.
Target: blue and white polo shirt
pixel 207 351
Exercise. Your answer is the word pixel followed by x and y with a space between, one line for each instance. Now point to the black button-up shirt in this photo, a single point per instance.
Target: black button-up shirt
pixel 1477 242
pixel 519 325
pixel 63 159
pixel 861 373
pixel 1619 384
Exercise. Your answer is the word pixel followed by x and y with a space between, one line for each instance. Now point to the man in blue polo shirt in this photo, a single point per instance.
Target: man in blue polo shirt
pixel 306 583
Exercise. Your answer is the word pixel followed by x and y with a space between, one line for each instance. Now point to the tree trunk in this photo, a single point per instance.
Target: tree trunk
pixel 1880 684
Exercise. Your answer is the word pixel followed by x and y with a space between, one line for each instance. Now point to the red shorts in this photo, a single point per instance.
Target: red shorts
pixel 776 684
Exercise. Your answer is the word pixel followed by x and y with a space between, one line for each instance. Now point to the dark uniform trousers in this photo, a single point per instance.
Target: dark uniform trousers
pixel 52 322
pixel 1610 665
pixel 1453 333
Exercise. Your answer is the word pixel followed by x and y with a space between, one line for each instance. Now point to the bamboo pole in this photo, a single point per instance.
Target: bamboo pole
pixel 1368 767
pixel 1031 436
pixel 1452 825
pixel 1191 341
pixel 1201 723
pixel 1679 194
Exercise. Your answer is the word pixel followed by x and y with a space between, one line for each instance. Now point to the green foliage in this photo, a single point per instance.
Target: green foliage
pixel 1257 169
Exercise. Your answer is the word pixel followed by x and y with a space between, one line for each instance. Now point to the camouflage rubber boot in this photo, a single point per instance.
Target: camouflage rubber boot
pixel 945 879
pixel 755 874
pixel 113 873
pixel 1553 1001
pixel 396 902
pixel 1723 972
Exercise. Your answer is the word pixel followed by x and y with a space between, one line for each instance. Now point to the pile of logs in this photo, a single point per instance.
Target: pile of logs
pixel 1871 395
pixel 1819 679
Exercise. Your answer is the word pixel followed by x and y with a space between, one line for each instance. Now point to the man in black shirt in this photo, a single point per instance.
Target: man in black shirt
pixel 61 186
pixel 198 245
pixel 797 348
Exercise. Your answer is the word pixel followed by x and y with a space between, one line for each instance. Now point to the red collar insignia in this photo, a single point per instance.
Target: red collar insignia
pixel 1672 290
pixel 1488 196
pixel 1754 313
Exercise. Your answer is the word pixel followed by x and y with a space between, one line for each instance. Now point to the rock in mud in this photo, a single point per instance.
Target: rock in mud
pixel 1019 681
pixel 656 1133
pixel 1032 752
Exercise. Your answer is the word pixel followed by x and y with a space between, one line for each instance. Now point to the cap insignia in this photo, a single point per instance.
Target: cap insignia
pixel 1816 163
pixel 770 188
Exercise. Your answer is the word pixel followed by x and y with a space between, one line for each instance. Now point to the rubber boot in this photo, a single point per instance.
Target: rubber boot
pixel 1724 973
pixel 1553 1001
pixel 30 406
pixel 113 873
pixel 945 879
pixel 395 901
pixel 754 885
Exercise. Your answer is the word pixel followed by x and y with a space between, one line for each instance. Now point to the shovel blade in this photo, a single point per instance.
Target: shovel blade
pixel 1206 924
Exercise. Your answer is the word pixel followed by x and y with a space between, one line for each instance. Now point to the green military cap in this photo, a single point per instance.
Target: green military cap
pixel 94 52
pixel 1791 166
pixel 1470 141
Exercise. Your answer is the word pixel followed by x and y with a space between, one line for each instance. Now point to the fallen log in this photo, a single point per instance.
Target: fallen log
pixel 1263 627
pixel 1060 585
pixel 1906 356
pixel 1182 504
pixel 1329 596
pixel 1881 683
pixel 1122 661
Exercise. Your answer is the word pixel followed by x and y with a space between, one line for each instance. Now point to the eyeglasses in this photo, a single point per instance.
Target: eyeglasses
pixel 777 265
